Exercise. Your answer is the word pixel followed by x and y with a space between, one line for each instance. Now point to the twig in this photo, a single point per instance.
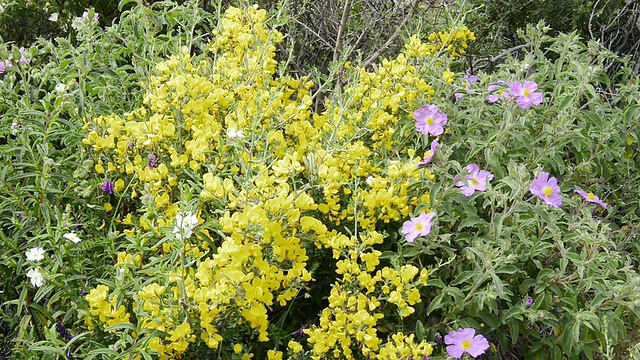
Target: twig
pixel 493 60
pixel 343 25
pixel 391 39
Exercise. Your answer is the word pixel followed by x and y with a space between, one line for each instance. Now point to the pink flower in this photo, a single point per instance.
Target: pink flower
pixel 591 198
pixel 476 179
pixel 465 341
pixel 497 92
pixel 467 80
pixel 23 59
pixel 418 226
pixel 526 95
pixel 429 120
pixel 428 155
pixel 547 189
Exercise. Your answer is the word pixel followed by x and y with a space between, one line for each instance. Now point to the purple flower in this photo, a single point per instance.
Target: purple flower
pixel 298 334
pixel 84 291
pixel 526 95
pixel 418 226
pixel 63 331
pixel 529 302
pixel 439 339
pixel 429 120
pixel 497 92
pixel 85 15
pixel 20 216
pixel 476 179
pixel 107 186
pixel 465 341
pixel 428 155
pixel 23 59
pixel 547 189
pixel 2 67
pixel 591 198
pixel 467 80
pixel 153 161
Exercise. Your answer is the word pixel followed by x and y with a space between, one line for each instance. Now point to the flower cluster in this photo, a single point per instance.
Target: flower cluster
pixel 80 21
pixel 547 189
pixel 37 254
pixel 455 42
pixel 7 63
pixel 525 94
pixel 266 181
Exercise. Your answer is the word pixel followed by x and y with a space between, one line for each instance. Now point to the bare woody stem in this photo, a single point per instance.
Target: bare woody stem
pixel 343 25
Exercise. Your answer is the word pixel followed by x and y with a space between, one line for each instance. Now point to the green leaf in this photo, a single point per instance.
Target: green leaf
pixel 420 331
pixel 514 312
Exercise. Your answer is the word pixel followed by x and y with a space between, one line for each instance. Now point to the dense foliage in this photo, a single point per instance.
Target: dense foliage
pixel 174 186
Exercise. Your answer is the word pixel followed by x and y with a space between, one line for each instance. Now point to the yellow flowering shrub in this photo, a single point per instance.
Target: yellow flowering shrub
pixel 226 183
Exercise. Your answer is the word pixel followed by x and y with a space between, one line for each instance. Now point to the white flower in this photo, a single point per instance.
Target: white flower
pixel 36 277
pixel 72 237
pixel 77 23
pixel 233 133
pixel 369 180
pixel 184 225
pixel 53 17
pixel 60 87
pixel 35 254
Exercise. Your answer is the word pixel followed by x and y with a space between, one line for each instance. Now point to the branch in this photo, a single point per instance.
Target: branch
pixel 391 39
pixel 343 25
pixel 493 60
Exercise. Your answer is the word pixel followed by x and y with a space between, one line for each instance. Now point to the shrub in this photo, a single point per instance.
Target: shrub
pixel 218 213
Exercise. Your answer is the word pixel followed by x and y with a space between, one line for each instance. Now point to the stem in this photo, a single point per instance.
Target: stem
pixel 343 25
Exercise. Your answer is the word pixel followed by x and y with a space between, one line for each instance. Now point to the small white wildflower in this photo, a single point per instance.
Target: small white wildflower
pixel 369 180
pixel 72 237
pixel 53 17
pixel 77 23
pixel 185 225
pixel 233 133
pixel 14 125
pixel 60 87
pixel 35 254
pixel 36 277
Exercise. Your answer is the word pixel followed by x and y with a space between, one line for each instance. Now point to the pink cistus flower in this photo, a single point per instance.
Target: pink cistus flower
pixel 429 120
pixel 590 197
pixel 418 226
pixel 526 94
pixel 467 80
pixel 428 155
pixel 465 341
pixel 475 179
pixel 23 59
pixel 497 91
pixel 547 189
